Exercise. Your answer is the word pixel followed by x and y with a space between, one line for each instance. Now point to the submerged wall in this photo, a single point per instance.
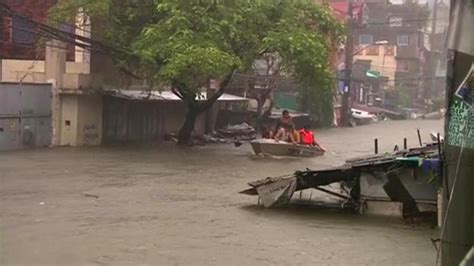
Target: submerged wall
pixel 143 121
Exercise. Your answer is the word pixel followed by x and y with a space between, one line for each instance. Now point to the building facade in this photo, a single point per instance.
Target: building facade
pixel 77 84
pixel 392 41
pixel 27 58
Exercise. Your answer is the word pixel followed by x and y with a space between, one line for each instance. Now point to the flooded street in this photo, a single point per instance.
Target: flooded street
pixel 174 206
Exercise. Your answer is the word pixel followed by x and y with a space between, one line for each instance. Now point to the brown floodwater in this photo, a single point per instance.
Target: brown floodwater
pixel 179 206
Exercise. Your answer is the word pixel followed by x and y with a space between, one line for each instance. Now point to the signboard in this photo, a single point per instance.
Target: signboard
pixel 372 74
pixel 461 115
pixel 465 91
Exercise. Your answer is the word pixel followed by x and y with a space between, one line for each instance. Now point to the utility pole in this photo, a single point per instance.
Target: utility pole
pixel 348 66
pixel 457 232
pixel 434 61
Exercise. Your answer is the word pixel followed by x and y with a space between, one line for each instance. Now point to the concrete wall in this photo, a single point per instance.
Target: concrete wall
pixel 143 121
pixel 30 70
pixel 89 120
pixel 77 74
pixel 81 120
pixel 75 81
pixel 77 118
pixel 78 68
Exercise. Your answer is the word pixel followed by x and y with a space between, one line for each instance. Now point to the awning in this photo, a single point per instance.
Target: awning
pixel 372 74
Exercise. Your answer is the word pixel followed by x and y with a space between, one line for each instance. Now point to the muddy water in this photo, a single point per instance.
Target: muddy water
pixel 173 206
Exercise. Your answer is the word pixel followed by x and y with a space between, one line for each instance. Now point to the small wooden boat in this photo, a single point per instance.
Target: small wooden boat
pixel 282 148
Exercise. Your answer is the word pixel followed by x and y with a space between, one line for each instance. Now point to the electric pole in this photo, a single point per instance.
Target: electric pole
pixel 457 232
pixel 346 111
pixel 434 61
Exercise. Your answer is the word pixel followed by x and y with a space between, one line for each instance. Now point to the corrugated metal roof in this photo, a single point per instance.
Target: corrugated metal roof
pixel 165 95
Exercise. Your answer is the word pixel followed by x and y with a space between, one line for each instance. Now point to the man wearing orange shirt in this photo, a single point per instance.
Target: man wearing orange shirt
pixel 307 138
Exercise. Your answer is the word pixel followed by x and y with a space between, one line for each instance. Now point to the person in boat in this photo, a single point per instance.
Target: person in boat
pixel 285 120
pixel 267 133
pixel 307 138
pixel 283 126
pixel 281 134
pixel 294 136
pixel 290 135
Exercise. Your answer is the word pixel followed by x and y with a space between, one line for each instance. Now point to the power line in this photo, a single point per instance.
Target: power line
pixel 340 79
pixel 74 7
pixel 399 79
pixel 402 21
pixel 72 25
pixel 38 34
pixel 67 37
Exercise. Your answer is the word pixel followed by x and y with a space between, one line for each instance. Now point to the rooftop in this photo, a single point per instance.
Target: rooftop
pixel 165 95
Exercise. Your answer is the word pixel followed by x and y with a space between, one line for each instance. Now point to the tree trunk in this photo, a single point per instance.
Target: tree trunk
pixel 260 104
pixel 195 108
pixel 184 135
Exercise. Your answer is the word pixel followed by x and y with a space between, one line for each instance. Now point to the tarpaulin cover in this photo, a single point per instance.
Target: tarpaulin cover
pixel 278 192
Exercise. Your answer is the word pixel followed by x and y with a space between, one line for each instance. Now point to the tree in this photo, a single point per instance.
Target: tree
pixel 260 82
pixel 184 44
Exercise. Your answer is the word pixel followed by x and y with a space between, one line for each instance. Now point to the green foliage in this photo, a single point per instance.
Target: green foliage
pixel 184 43
pixel 405 99
pixel 403 96
pixel 65 10
pixel 317 97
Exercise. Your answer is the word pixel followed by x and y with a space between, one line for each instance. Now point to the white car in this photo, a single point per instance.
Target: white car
pixel 363 115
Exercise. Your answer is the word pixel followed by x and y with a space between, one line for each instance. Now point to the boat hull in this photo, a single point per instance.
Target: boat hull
pixel 280 148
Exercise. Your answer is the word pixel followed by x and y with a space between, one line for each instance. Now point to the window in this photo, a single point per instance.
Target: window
pixel 403 40
pixel 23 31
pixel 395 22
pixel 6 30
pixel 403 65
pixel 365 39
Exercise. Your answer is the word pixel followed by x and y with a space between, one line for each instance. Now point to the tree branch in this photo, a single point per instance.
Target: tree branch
pixel 253 94
pixel 177 93
pixel 250 88
pixel 128 72
pixel 223 86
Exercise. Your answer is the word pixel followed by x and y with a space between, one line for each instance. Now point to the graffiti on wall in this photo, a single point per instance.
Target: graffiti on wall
pixel 91 134
pixel 461 115
pixel 461 125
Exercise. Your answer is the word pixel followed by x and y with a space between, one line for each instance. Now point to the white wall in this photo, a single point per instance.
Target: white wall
pixel 14 70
